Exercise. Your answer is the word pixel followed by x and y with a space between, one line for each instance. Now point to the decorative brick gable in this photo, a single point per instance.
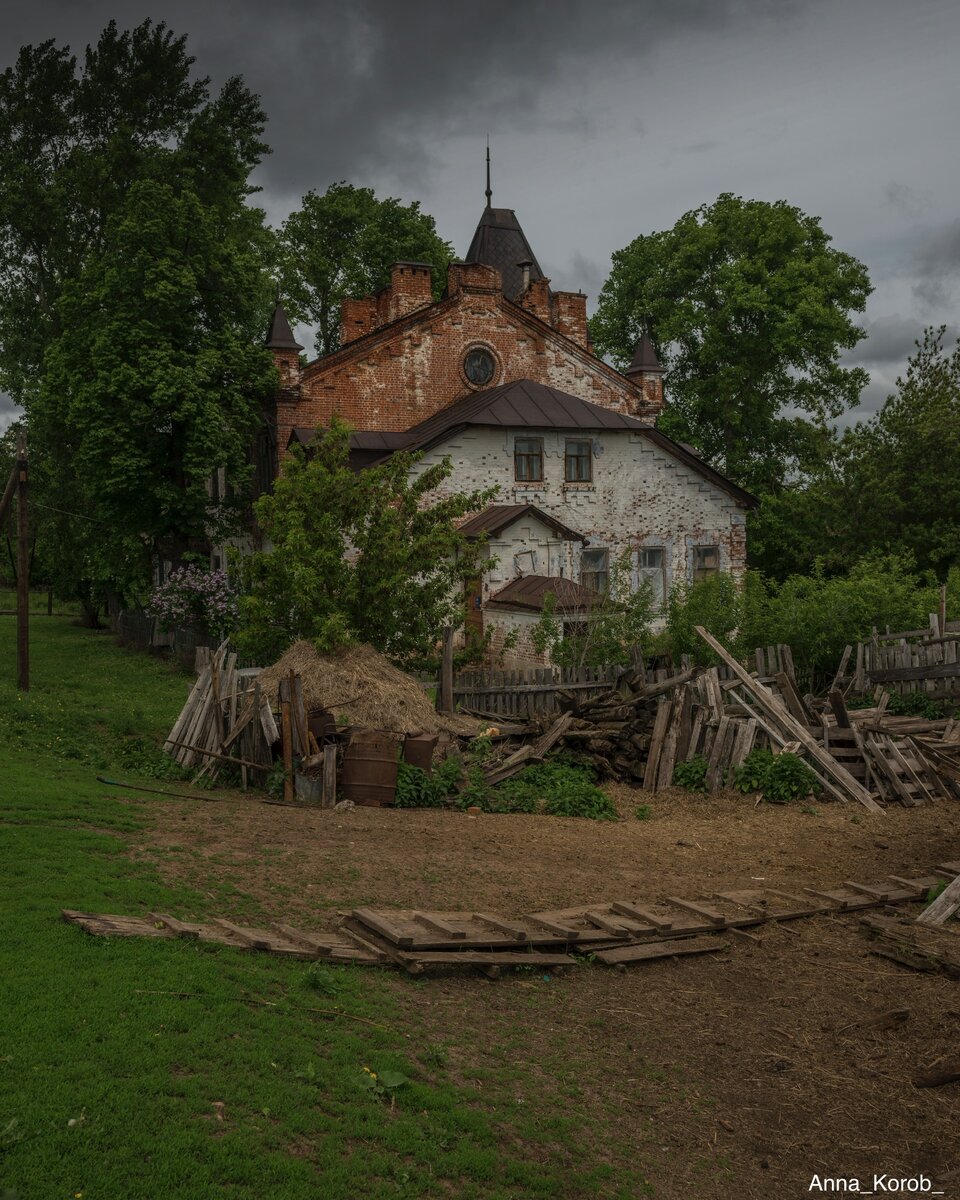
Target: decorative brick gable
pixel 403 355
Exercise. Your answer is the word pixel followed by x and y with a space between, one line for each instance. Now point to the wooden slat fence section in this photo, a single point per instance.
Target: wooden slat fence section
pixel 931 665
pixel 522 695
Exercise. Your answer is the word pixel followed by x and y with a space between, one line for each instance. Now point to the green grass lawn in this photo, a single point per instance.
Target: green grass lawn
pixel 138 1069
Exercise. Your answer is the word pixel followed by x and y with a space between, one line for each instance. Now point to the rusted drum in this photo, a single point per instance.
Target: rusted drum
pixel 418 750
pixel 369 773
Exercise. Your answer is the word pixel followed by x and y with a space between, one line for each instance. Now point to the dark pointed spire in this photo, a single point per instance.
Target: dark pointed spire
pixel 645 361
pixel 280 335
pixel 489 191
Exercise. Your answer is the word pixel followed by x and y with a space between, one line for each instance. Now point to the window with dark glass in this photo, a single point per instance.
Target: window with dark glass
pixel 528 460
pixel 595 569
pixel 706 562
pixel 479 367
pixel 578 465
pixel 652 567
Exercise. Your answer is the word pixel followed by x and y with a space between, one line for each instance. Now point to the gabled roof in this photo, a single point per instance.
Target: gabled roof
pixel 500 242
pixel 522 403
pixel 280 335
pixel 497 517
pixel 531 591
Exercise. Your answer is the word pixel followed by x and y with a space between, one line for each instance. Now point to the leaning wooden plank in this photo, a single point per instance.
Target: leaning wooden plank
pixel 717 763
pixel 668 752
pixel 656 741
pixel 768 703
pixel 332 946
pixel 793 699
pixel 198 689
pixel 945 905
pixel 667 949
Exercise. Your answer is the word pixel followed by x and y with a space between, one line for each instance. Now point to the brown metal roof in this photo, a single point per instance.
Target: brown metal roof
pixel 520 404
pixel 531 591
pixel 500 242
pixel 382 441
pixel 280 335
pixel 500 516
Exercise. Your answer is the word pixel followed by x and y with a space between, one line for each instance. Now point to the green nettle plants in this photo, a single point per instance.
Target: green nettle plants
pixel 192 595
pixel 779 778
pixel 691 775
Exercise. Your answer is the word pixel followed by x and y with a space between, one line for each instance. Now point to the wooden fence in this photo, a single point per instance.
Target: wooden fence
pixel 916 660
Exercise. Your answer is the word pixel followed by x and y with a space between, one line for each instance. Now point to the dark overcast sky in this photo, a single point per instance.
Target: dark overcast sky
pixel 606 119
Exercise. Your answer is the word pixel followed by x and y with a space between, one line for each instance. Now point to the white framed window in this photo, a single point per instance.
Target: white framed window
pixel 652 566
pixel 706 562
pixel 595 569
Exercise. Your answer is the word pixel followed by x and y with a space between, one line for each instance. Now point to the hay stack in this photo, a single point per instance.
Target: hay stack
pixel 362 685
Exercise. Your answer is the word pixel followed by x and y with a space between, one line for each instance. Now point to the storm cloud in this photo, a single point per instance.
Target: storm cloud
pixel 605 121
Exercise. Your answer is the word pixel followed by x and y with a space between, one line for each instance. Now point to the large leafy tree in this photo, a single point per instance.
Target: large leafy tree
pixel 900 471
pixel 132 291
pixel 749 307
pixel 374 555
pixel 343 243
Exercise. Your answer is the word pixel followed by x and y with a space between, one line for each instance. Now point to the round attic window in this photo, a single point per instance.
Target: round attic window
pixel 479 367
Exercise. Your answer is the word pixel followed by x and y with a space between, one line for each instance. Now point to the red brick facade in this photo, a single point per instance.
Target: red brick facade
pixel 402 355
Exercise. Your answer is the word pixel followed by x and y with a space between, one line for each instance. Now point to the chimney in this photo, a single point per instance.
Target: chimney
pixel 357 317
pixel 411 287
pixel 571 311
pixel 525 266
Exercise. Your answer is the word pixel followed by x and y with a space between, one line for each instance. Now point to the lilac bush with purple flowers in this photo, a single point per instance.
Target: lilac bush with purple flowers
pixel 194 595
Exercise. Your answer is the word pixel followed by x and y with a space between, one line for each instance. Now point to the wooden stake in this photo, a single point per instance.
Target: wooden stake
pixel 446 671
pixel 287 728
pixel 329 776
pixel 23 569
pixel 943 609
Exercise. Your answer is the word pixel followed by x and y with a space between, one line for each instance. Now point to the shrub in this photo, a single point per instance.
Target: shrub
pixel 192 595
pixel 780 778
pixel 417 789
pixel 915 704
pixel 643 812
pixel 560 787
pixel 691 775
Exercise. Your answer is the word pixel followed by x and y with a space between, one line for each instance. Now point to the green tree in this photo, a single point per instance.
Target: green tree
pixel 749 307
pixel 901 470
pixel 132 291
pixel 372 556
pixel 609 634
pixel 342 244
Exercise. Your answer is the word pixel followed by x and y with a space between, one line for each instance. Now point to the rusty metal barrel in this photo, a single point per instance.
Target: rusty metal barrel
pixel 370 764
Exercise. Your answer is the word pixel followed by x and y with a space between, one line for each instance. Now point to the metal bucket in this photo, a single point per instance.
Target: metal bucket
pixel 369 773
pixel 418 751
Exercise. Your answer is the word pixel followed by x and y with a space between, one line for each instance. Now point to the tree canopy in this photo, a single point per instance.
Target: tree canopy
pixel 343 243
pixel 749 308
pixel 133 291
pixel 374 556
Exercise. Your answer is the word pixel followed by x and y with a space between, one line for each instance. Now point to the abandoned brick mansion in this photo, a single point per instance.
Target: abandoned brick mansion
pixel 499 375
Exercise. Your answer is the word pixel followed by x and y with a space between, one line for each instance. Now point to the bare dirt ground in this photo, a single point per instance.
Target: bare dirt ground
pixel 723 1076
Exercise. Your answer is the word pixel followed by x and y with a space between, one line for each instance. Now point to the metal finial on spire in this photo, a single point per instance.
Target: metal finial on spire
pixel 489 193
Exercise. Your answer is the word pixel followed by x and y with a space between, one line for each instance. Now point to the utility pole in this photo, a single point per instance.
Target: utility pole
pixel 23 568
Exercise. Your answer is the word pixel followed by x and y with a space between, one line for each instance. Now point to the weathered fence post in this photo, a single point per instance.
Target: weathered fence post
pixel 446 671
pixel 23 569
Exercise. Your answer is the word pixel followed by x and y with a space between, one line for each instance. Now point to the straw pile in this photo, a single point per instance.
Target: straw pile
pixel 366 688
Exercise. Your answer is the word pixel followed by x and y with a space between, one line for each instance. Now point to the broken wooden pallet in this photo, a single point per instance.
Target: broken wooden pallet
pixel 332 947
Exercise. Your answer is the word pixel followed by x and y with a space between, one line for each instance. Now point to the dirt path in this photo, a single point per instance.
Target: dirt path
pixel 725 1077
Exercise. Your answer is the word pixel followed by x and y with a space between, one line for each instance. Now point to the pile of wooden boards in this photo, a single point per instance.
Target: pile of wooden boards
pixel 616 933
pixel 226 721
